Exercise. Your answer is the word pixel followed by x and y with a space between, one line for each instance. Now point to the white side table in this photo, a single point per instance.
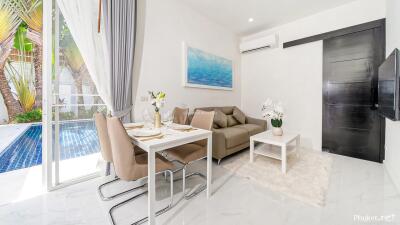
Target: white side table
pixel 276 147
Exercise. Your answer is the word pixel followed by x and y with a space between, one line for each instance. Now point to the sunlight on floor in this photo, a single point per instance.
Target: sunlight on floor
pixel 26 183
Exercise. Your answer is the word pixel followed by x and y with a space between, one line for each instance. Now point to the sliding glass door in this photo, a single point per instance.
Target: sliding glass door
pixel 70 138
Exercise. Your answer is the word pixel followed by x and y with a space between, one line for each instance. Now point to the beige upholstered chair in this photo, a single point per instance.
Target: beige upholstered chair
pixel 180 115
pixel 105 149
pixel 131 167
pixel 195 151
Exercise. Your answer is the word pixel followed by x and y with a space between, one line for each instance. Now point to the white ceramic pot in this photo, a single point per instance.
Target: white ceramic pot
pixel 277 131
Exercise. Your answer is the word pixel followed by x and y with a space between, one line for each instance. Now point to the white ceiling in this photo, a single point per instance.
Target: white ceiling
pixel 234 14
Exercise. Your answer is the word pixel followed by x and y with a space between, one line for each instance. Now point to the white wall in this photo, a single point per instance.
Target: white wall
pixel 168 24
pixel 294 75
pixel 392 147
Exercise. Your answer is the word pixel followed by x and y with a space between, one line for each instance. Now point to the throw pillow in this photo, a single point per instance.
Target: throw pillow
pixel 220 119
pixel 232 121
pixel 215 126
pixel 239 115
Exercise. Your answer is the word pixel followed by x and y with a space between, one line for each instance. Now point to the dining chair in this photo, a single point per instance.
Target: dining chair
pixel 192 152
pixel 106 153
pixel 131 167
pixel 180 115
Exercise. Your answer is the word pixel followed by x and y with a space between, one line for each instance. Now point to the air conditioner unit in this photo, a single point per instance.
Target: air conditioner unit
pixel 270 41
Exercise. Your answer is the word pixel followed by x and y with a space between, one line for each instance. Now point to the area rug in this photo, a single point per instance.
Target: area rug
pixel 306 180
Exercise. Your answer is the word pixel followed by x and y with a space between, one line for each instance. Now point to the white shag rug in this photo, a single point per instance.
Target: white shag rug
pixel 306 180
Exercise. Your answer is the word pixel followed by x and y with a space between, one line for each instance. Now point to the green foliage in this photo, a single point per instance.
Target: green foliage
pixel 276 123
pixel 82 114
pixel 21 42
pixel 29 117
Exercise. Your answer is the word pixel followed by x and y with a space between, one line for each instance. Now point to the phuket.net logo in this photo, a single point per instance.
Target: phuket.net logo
pixel 374 218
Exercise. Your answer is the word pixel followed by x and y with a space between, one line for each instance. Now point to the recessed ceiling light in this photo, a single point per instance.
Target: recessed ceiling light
pixel 251 20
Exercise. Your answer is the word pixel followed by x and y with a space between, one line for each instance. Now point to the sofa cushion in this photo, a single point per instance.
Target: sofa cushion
pixel 252 129
pixel 227 110
pixel 234 136
pixel 215 126
pixel 239 115
pixel 232 121
pixel 220 119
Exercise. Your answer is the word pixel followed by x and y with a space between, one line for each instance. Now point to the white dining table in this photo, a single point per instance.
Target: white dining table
pixel 171 138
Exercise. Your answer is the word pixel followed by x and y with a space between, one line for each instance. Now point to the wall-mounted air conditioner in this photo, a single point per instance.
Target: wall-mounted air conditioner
pixel 270 41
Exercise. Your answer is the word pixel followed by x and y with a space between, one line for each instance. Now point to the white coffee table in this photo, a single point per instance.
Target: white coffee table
pixel 276 147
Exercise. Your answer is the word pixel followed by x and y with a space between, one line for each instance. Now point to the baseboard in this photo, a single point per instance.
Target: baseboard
pixel 393 176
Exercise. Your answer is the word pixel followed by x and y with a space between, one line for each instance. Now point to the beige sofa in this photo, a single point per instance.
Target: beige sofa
pixel 231 139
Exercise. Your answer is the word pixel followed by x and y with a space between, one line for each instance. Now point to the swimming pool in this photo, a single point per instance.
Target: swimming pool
pixel 78 138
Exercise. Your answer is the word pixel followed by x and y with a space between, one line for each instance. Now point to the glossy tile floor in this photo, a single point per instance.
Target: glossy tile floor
pixel 357 188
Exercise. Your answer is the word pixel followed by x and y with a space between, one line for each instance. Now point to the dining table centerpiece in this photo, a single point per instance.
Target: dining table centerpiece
pixel 274 111
pixel 158 101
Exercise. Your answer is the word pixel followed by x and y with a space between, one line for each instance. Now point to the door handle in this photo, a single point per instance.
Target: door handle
pixel 374 104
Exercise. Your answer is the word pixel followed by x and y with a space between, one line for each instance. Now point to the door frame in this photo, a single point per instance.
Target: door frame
pixel 381 23
pixel 50 167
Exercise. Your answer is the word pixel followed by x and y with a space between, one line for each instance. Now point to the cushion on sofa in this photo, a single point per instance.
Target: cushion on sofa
pixel 220 119
pixel 232 121
pixel 239 115
pixel 252 129
pixel 234 136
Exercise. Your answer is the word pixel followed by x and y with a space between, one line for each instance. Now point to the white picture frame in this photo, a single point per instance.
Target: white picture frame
pixel 185 69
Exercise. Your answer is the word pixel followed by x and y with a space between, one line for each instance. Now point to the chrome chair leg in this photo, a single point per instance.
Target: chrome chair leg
pixel 197 190
pixel 108 198
pixel 108 168
pixel 170 205
pixel 184 177
pixel 123 203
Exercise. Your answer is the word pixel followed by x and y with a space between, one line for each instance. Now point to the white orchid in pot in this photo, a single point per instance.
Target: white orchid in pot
pixel 158 101
pixel 274 111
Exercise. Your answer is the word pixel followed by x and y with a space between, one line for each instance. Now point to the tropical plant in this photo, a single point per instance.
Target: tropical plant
pixel 21 77
pixel 23 86
pixel 29 117
pixel 21 42
pixel 31 12
pixel 9 21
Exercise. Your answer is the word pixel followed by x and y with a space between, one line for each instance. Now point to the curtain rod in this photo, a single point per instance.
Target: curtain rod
pixel 99 18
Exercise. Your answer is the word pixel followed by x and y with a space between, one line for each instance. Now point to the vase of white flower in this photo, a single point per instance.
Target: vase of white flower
pixel 274 112
pixel 157 120
pixel 157 100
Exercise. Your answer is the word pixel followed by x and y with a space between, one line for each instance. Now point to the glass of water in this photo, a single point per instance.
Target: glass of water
pixel 147 118
pixel 167 118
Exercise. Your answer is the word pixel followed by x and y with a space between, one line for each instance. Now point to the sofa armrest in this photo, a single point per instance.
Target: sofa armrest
pixel 260 122
pixel 219 145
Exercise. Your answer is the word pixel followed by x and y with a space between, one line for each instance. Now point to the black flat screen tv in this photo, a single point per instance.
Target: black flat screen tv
pixel 388 87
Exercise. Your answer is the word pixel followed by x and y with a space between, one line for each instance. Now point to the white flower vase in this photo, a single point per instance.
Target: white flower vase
pixel 277 131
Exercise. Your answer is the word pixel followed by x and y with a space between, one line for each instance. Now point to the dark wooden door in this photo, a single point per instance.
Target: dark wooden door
pixel 351 124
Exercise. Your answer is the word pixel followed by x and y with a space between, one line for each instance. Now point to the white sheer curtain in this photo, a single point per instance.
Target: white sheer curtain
pixel 81 18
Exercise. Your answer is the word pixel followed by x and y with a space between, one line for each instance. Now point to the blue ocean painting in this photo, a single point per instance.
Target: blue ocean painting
pixel 207 69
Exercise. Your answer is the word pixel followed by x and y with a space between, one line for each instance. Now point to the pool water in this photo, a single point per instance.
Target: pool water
pixel 76 139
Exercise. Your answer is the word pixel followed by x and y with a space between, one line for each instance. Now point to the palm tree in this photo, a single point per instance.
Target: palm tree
pixel 9 21
pixel 78 68
pixel 31 12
